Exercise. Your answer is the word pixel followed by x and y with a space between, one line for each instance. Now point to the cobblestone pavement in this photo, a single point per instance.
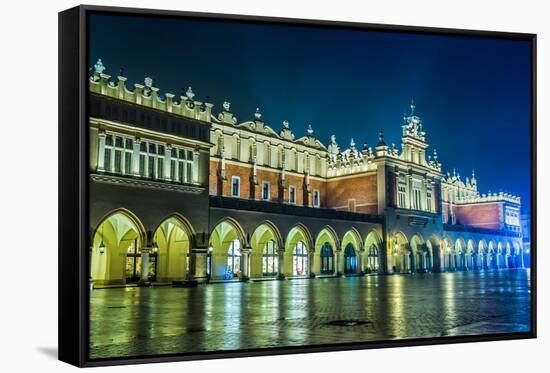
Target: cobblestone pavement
pixel 233 316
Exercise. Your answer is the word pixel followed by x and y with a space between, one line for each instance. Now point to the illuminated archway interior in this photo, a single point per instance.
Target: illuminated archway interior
pixel 116 250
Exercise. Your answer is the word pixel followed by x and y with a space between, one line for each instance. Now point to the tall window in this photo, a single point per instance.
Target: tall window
pixel 401 192
pixel 267 154
pixel 429 200
pixel 316 199
pixel 269 259
pixel 235 186
pixel 118 154
pixel 350 260
pixel 265 190
pixel 417 195
pixel 292 194
pixel 299 256
pixel 327 259
pixel 234 259
pixel 151 160
pixel 181 165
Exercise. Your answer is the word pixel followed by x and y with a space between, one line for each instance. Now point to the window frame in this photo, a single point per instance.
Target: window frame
pixel 238 179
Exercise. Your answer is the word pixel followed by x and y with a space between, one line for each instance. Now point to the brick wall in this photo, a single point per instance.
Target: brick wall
pixel 276 193
pixel 482 215
pixel 361 188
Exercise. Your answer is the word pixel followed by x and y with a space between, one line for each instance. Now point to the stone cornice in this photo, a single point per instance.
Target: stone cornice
pixel 149 184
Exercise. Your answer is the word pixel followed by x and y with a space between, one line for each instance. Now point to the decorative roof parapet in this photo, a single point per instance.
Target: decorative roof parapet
pixel 490 197
pixel 147 95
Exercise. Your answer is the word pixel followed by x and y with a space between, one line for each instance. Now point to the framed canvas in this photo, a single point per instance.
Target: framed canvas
pixel 234 186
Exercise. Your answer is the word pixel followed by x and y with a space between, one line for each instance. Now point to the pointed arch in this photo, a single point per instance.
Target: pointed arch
pixel 373 252
pixel 352 252
pixel 460 254
pixel 127 213
pixel 298 246
pixel 418 255
pixel 399 252
pixel 265 243
pixel 326 251
pixel 173 237
pixel 227 242
pixel 117 232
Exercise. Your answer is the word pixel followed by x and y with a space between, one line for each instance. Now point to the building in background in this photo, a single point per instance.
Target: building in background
pixel 181 193
pixel 526 234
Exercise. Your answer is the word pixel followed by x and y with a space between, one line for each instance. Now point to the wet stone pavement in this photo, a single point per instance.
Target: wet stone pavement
pixel 233 316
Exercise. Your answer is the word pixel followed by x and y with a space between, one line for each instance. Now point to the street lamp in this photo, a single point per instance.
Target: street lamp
pixel 101 247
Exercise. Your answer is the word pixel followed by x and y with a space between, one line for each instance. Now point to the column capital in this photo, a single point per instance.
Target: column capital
pixel 102 134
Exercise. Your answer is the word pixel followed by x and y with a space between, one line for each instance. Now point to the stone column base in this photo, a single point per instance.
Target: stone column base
pixel 311 275
pixel 143 284
pixel 280 276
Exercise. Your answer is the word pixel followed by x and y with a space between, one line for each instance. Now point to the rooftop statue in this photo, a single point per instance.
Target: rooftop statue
pixel 333 149
pixel 98 67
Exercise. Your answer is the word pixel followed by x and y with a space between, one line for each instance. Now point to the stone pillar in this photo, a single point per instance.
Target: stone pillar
pixel 195 175
pixel 522 258
pixel 135 156
pixel 144 280
pixel 246 263
pixel 101 152
pixel 361 262
pixel 408 261
pixel 167 162
pixel 280 264
pixel 338 273
pixel 310 259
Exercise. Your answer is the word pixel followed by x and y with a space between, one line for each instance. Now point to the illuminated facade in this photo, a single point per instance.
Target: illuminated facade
pixel 182 193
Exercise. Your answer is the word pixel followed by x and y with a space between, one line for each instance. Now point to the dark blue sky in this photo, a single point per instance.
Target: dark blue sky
pixel 473 94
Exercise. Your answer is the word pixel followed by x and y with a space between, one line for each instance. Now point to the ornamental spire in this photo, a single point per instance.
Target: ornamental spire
pixel 413 106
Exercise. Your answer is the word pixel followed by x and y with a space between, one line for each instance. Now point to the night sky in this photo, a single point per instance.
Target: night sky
pixel 473 94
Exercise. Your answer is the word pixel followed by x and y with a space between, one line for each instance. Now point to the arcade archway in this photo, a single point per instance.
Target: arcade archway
pixel 228 258
pixel 326 250
pixel 116 249
pixel 172 239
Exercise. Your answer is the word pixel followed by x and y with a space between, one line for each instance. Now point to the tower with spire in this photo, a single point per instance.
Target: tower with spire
pixel 413 138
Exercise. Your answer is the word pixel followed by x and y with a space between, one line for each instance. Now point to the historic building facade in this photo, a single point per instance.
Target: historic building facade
pixel 180 193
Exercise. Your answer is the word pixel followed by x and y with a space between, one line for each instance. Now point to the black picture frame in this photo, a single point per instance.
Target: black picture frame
pixel 73 188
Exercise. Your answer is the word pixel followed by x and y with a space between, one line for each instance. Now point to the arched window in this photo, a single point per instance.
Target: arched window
pixel 299 256
pixel 327 259
pixel 234 259
pixel 350 260
pixel 269 259
pixel 373 258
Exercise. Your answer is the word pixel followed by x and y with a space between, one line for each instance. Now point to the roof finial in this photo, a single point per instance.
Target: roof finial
pixel 309 130
pixel 381 139
pixel 454 172
pixel 435 154
pixel 413 106
pixel 257 114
